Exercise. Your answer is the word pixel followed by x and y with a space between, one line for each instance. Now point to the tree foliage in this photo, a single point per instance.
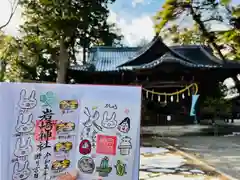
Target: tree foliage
pixel 204 14
pixel 55 30
pixel 9 70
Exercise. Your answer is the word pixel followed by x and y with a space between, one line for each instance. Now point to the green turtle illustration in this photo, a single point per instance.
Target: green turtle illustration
pixel 120 168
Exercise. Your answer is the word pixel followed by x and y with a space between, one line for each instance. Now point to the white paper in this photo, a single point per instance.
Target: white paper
pixel 97 117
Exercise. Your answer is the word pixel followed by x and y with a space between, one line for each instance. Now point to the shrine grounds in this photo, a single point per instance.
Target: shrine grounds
pixel 165 162
pixel 205 156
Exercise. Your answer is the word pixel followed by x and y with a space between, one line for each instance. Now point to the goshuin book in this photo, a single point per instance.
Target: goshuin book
pixel 50 129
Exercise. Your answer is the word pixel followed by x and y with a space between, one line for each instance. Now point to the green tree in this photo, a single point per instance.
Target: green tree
pixel 203 13
pixel 9 70
pixel 54 31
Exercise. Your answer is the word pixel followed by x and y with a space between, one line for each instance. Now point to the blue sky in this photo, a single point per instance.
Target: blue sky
pixel 133 18
pixel 132 9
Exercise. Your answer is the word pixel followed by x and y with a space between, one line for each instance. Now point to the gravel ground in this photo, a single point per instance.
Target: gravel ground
pixel 160 162
pixel 222 153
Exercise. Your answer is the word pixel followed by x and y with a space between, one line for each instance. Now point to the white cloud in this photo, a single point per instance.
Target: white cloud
pixel 5 11
pixel 135 30
pixel 136 2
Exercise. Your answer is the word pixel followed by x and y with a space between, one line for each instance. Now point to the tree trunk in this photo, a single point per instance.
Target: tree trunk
pixel 84 54
pixel 2 70
pixel 62 63
pixel 208 35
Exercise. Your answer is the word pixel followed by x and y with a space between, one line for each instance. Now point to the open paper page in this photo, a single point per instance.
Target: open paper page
pixel 55 128
pixel 108 135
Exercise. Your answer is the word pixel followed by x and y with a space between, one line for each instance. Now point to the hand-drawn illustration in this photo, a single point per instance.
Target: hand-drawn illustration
pixel 126 111
pixel 120 168
pixel 94 138
pixel 45 130
pixel 60 165
pixel 65 127
pixel 48 99
pixel 125 145
pixel 21 150
pixel 104 168
pixel 109 123
pixel 91 121
pixel 85 147
pixel 27 102
pixel 23 125
pixel 106 144
pixel 63 147
pixel 21 173
pixel 93 155
pixel 111 106
pixel 124 126
pixel 68 106
pixel 94 107
pixel 86 165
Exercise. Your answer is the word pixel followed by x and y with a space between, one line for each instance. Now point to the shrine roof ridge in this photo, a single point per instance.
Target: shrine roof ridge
pixel 108 58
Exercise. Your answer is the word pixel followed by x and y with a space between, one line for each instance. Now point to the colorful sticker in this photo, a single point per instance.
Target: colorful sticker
pixel 65 127
pixel 104 168
pixel 106 144
pixel 120 168
pixel 60 165
pixel 48 99
pixel 68 106
pixel 63 147
pixel 124 126
pixel 86 165
pixel 85 147
pixel 45 130
pixel 125 145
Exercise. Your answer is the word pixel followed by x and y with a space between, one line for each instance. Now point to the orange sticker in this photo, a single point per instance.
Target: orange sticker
pixel 106 144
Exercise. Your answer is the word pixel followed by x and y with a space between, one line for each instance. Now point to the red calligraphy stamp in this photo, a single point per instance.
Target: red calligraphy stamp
pixel 45 130
pixel 106 144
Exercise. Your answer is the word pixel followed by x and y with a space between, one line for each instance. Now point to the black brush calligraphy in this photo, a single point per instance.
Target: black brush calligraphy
pixel 111 106
pixel 46 126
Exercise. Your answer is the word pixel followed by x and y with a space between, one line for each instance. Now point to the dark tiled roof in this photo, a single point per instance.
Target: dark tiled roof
pixel 112 58
pixel 170 58
pixel 148 53
pixel 108 58
pixel 197 54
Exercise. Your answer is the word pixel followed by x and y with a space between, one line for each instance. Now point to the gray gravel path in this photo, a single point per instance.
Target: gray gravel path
pixel 221 152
